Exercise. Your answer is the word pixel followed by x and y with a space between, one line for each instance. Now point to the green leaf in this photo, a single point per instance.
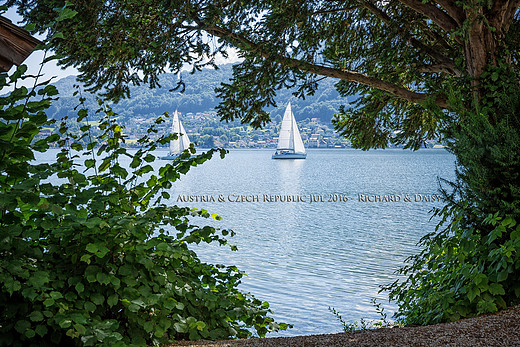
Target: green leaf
pixel 90 163
pixel 41 330
pixel 22 325
pixel 80 287
pixel 92 248
pixel 30 27
pixel 115 281
pixel 76 146
pixel 102 278
pixel 57 35
pixel 65 13
pixel 90 307
pixel 133 307
pixel 97 298
pixel 48 302
pixel 148 326
pixel 55 295
pixel 29 333
pixel 502 276
pixel 112 300
pixel 39 278
pixel 80 329
pixel 179 327
pixel 104 165
pixel 86 258
pixel 65 323
pixel 473 292
pixel 200 325
pixel 496 289
pixel 36 316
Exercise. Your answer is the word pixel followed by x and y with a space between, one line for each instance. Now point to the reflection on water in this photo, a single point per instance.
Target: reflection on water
pixel 303 257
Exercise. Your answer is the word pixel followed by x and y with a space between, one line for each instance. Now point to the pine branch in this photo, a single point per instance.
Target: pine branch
pixel 351 76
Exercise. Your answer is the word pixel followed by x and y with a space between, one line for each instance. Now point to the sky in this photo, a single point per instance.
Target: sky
pixel 51 70
pixel 34 60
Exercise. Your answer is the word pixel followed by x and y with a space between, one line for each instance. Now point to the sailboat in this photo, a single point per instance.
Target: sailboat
pixel 178 145
pixel 290 144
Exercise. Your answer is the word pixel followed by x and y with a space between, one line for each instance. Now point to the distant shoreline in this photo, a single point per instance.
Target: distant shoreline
pixel 317 149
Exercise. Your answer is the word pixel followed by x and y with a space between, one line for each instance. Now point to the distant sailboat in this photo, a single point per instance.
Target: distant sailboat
pixel 290 144
pixel 178 145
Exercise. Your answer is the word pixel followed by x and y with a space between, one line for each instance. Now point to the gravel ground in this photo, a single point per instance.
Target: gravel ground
pixel 499 329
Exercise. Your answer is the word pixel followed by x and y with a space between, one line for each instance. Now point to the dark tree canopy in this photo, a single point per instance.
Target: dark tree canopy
pixel 406 58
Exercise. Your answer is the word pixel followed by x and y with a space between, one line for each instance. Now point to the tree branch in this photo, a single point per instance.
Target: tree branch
pixel 436 68
pixel 453 10
pixel 450 67
pixel 350 76
pixel 439 17
pixel 502 14
pixel 333 10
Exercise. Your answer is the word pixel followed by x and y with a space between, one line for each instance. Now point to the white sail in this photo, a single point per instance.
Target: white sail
pixel 182 142
pixel 298 143
pixel 289 138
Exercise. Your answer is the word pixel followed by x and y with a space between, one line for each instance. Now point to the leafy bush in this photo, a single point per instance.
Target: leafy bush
pixel 471 265
pixel 461 272
pixel 98 258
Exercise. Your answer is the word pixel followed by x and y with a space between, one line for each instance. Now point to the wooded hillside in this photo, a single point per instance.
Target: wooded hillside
pixel 199 96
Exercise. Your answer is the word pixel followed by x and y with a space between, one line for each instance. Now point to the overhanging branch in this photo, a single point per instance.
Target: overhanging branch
pixel 438 16
pixel 350 76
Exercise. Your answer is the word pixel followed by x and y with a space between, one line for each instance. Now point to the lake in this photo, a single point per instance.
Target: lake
pixel 302 256
pixel 322 232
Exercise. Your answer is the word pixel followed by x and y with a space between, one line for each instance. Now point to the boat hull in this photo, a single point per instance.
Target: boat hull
pixel 289 156
pixel 169 157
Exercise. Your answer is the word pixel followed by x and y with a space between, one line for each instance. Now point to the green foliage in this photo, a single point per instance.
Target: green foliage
pixel 206 141
pixel 364 324
pixel 462 271
pixel 472 264
pixel 361 325
pixel 199 96
pixel 90 252
pixel 431 76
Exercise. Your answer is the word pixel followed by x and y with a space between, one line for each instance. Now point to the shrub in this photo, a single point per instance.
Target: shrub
pixel 99 258
pixel 471 265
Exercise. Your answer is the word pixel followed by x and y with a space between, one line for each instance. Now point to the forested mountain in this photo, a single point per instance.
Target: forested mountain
pixel 199 96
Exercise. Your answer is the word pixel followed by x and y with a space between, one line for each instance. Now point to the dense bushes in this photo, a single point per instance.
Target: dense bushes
pixel 89 254
pixel 472 264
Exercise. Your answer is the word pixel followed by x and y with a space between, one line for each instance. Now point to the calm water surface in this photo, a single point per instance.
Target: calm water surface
pixel 304 257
